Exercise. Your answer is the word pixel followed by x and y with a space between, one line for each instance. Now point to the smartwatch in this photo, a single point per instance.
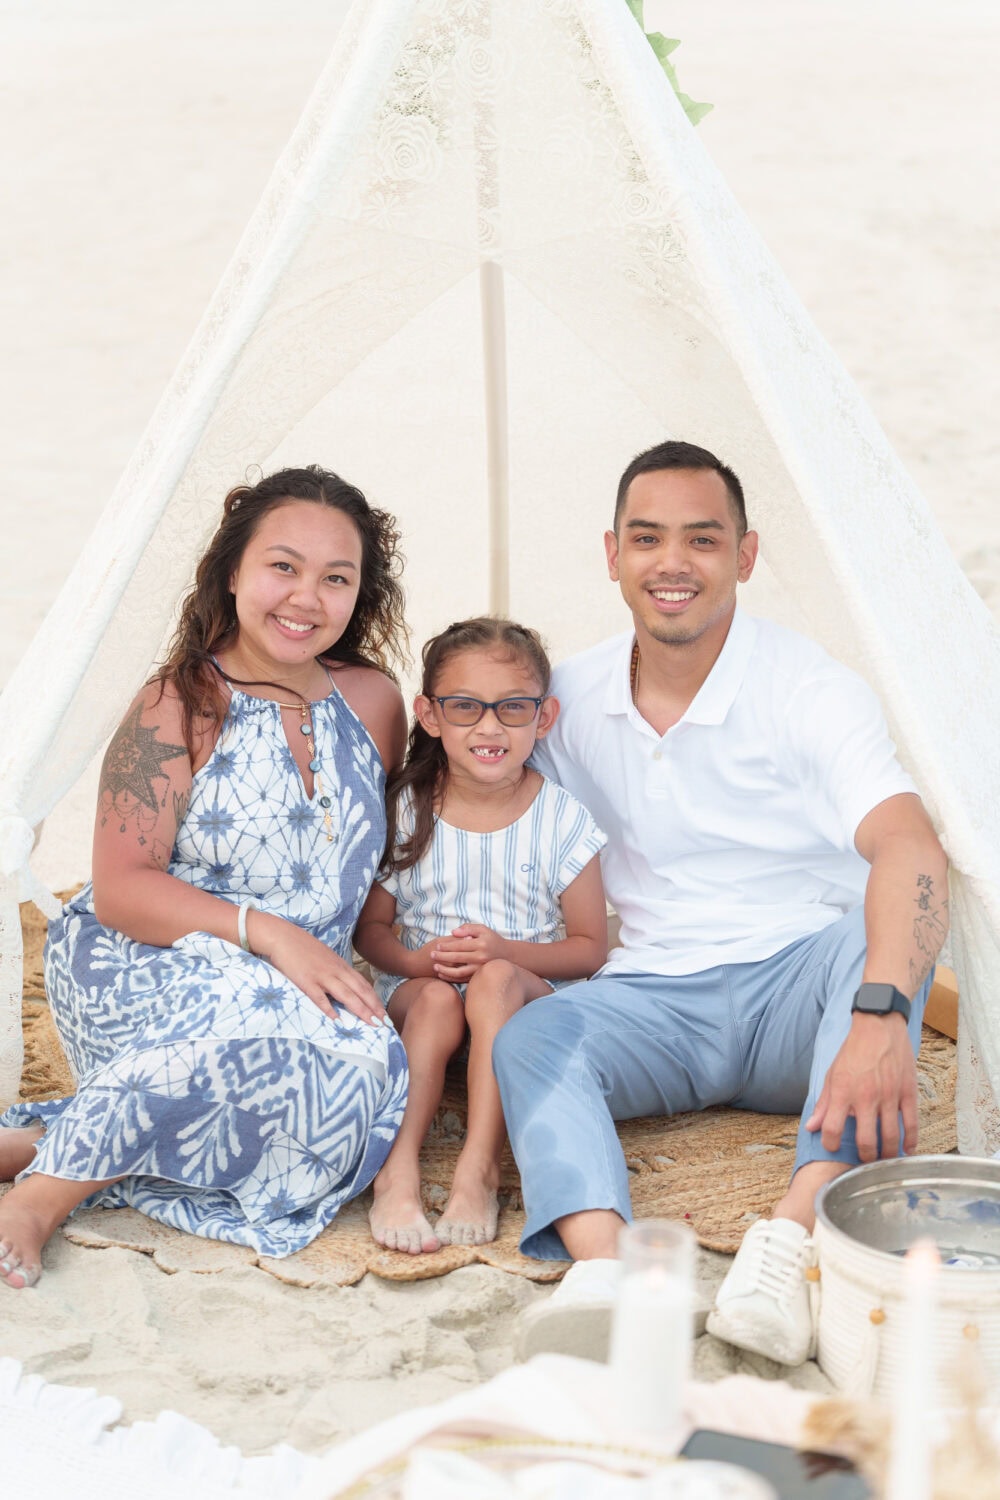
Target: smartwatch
pixel 881 1000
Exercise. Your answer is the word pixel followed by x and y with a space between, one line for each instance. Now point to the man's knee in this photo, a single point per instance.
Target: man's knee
pixel 539 1041
pixel 519 1040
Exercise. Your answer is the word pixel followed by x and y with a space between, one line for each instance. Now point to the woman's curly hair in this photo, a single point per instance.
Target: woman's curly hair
pixel 376 632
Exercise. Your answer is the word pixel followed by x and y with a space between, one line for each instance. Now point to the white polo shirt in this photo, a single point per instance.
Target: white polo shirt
pixel 732 835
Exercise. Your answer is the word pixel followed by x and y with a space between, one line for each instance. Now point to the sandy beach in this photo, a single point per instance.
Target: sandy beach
pixel 860 137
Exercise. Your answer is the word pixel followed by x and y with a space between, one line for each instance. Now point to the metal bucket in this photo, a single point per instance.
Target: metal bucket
pixel 953 1200
pixel 866 1220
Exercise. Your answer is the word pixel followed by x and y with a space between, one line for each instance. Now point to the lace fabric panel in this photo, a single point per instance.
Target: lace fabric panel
pixel 976 957
pixel 11 958
pixel 640 304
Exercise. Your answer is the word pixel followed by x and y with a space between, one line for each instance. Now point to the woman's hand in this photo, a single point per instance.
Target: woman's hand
pixel 458 956
pixel 313 968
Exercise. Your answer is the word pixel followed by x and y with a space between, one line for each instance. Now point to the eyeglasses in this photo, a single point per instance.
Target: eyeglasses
pixel 513 713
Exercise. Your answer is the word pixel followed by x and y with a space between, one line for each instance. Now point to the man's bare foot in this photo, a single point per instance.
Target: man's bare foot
pixel 17 1149
pixel 470 1216
pixel 22 1235
pixel 398 1222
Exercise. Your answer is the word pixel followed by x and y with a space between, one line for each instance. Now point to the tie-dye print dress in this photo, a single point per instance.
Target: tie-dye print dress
pixel 229 1103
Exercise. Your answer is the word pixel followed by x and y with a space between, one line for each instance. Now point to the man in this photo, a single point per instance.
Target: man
pixel 782 898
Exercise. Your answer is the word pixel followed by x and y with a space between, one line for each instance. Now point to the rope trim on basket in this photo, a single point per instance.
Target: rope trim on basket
pixel 859 1324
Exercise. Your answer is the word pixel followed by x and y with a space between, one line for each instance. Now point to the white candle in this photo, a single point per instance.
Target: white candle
pixel 651 1350
pixel 910 1455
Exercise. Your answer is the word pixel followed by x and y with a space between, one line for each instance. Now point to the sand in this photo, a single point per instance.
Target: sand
pixel 860 137
pixel 261 1363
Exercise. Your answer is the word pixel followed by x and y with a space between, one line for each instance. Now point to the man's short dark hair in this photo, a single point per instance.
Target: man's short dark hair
pixel 673 455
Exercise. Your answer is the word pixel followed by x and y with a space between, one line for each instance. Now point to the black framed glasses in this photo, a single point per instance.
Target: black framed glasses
pixel 513 713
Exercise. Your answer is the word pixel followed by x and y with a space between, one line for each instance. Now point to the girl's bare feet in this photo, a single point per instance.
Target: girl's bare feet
pixel 17 1150
pixel 470 1215
pixel 397 1219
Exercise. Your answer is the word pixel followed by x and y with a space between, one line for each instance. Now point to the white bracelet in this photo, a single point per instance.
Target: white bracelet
pixel 241 925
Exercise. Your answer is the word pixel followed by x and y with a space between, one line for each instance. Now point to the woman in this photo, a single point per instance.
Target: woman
pixel 237 1077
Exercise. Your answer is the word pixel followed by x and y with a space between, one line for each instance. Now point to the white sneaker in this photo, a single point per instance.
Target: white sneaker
pixel 576 1319
pixel 764 1304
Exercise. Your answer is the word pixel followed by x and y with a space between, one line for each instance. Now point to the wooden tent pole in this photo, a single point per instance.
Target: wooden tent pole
pixel 494 322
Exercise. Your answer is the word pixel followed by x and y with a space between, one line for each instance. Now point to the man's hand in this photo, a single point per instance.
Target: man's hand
pixel 874 1078
pixel 458 956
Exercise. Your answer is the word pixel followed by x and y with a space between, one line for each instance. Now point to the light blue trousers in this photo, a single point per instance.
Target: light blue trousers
pixel 757 1036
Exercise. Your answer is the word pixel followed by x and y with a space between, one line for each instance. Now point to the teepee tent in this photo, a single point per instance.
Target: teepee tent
pixel 492 263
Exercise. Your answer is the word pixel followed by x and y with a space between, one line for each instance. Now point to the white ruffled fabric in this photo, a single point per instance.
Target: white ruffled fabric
pixel 635 301
pixel 59 1442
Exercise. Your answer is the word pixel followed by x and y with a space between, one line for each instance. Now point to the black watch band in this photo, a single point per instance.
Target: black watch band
pixel 881 1000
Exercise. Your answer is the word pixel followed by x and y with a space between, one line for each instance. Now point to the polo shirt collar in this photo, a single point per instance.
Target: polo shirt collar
pixel 717 693
pixel 618 696
pixel 715 697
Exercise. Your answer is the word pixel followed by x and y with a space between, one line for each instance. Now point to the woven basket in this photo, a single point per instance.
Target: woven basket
pixel 862 1306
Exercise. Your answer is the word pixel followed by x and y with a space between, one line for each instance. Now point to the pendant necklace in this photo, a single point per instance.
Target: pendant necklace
pixel 306 728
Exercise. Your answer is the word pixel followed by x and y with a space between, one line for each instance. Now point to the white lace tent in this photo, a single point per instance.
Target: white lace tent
pixel 492 263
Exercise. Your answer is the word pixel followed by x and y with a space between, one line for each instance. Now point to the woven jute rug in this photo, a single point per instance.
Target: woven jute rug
pixel 719 1169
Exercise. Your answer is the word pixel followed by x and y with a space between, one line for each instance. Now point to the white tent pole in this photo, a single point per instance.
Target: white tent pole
pixel 491 302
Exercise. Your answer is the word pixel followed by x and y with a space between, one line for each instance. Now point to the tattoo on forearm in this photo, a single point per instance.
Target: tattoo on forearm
pixel 930 928
pixel 134 760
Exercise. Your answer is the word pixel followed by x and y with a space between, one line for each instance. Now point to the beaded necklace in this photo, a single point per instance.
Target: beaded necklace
pixel 633 673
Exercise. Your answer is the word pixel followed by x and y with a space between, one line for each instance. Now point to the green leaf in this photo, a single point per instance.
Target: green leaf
pixel 694 112
pixel 662 47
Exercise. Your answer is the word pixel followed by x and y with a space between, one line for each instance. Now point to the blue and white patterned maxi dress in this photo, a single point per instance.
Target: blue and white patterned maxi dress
pixel 233 1107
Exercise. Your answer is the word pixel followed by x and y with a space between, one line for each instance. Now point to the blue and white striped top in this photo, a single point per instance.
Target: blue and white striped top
pixel 509 880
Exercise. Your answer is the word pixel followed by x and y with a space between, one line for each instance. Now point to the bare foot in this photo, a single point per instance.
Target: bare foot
pixel 30 1214
pixel 470 1216
pixel 398 1222
pixel 22 1235
pixel 17 1149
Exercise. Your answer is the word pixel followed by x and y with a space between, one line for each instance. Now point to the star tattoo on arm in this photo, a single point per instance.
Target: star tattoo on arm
pixel 134 760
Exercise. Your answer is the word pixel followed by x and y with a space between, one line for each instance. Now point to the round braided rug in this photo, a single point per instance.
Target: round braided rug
pixel 719 1169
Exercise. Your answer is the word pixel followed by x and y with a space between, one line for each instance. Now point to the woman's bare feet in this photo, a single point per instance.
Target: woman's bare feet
pixel 397 1219
pixel 29 1216
pixel 22 1235
pixel 17 1150
pixel 470 1215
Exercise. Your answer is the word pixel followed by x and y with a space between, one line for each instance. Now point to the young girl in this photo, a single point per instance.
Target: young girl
pixel 487 862
pixel 235 1077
